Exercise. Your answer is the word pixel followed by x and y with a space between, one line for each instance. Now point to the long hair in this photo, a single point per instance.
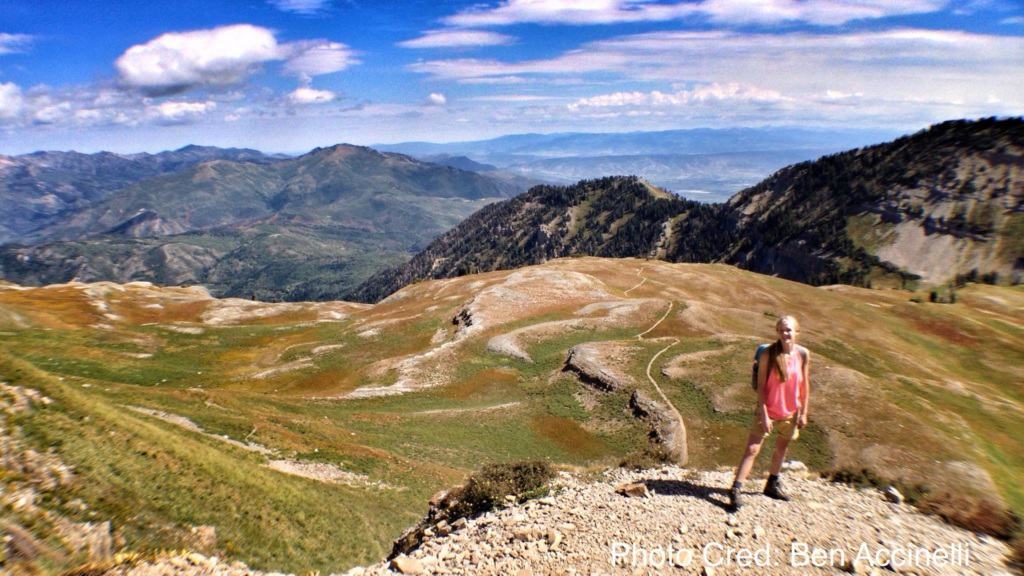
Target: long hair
pixel 775 350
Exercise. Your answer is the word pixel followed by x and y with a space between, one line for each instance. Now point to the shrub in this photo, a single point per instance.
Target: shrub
pixel 653 456
pixel 865 478
pixel 975 514
pixel 494 482
pixel 1017 550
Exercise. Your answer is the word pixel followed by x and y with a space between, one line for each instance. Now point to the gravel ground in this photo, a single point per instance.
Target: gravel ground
pixel 679 526
pixel 682 527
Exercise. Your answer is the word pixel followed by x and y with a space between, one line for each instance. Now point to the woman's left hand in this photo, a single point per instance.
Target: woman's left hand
pixel 802 420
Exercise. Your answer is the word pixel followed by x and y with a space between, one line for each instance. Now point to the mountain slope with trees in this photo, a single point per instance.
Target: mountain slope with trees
pixel 310 227
pixel 933 206
pixel 40 189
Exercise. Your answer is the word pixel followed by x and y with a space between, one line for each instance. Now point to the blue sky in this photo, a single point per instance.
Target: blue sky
pixel 289 75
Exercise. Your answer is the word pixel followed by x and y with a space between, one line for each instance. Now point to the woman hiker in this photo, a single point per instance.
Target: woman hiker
pixel 783 394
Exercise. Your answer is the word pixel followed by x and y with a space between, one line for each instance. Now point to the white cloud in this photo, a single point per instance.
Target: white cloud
pixel 711 93
pixel 179 112
pixel 493 80
pixel 306 95
pixel 437 99
pixel 14 42
pixel 10 100
pixel 455 38
pixel 177 61
pixel 580 12
pixel 511 98
pixel 317 57
pixel 915 76
pixel 1012 20
pixel 306 7
pixel 822 12
pixel 77 107
pixel 900 62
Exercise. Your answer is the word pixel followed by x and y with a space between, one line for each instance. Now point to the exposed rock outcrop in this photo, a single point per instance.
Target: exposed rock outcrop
pixel 681 526
pixel 665 428
pixel 585 361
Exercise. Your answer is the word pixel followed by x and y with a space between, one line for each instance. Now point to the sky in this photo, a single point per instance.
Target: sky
pixel 290 75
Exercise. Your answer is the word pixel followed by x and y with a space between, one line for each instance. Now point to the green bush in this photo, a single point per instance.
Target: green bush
pixel 652 456
pixel 865 477
pixel 974 513
pixel 489 487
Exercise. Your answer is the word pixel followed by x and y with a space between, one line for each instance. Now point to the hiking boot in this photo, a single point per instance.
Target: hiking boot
pixel 773 489
pixel 735 500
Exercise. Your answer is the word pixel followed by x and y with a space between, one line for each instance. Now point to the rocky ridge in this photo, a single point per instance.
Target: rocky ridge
pixel 941 203
pixel 678 523
pixel 674 520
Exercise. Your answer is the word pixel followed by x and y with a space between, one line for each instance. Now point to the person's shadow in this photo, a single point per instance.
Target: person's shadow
pixel 714 495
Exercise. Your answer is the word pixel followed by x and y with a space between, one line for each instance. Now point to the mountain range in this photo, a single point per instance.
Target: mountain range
pixel 942 203
pixel 928 207
pixel 39 189
pixel 309 227
pixel 706 164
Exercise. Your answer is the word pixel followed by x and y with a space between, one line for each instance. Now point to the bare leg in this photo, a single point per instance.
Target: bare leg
pixel 754 441
pixel 781 445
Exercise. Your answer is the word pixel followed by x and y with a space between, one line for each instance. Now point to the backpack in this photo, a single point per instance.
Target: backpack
pixel 757 357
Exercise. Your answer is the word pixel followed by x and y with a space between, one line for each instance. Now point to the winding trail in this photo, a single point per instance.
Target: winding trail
pixel 684 455
pixel 643 279
pixel 640 336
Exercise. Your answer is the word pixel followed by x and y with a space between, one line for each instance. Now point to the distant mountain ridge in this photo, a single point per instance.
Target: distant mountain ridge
pixel 38 189
pixel 946 201
pixel 710 177
pixel 688 141
pixel 706 164
pixel 309 227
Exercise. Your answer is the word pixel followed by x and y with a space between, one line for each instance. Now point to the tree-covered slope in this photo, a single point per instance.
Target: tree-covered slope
pixel 310 227
pixel 941 203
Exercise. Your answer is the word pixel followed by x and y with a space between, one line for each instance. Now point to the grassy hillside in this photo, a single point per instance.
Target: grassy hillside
pixel 377 407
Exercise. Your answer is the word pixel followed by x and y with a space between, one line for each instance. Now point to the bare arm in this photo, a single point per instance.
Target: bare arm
pixel 761 413
pixel 805 390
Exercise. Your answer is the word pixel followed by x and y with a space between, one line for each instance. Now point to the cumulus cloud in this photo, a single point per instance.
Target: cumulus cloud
pixel 455 38
pixel 306 7
pixel 306 95
pixel 92 105
pixel 437 99
pixel 580 12
pixel 10 100
pixel 179 61
pixel 179 111
pixel 14 42
pixel 309 58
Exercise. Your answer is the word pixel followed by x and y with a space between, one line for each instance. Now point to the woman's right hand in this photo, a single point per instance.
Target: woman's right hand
pixel 766 425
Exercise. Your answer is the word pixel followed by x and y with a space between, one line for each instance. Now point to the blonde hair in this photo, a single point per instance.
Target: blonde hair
pixel 775 350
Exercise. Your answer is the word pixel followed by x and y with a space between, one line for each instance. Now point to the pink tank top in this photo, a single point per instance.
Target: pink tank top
pixel 782 399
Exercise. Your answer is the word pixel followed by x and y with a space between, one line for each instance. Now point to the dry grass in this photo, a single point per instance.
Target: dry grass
pixel 897 387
